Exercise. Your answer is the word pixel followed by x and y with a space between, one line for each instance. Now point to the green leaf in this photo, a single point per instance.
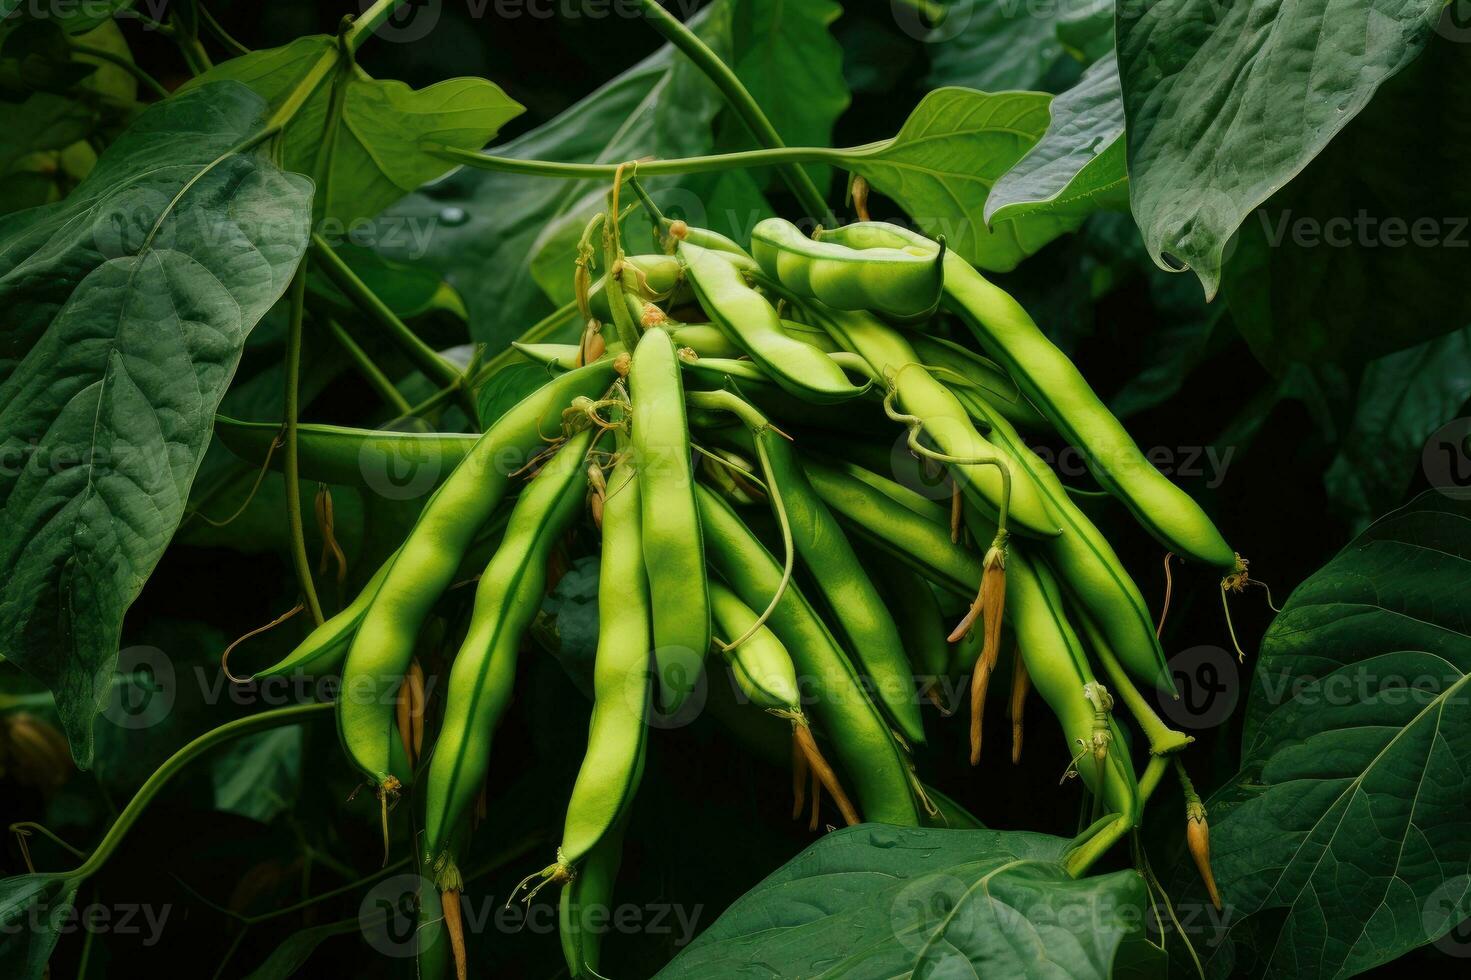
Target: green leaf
pixel 1345 840
pixel 288 958
pixel 153 272
pixel 1402 399
pixel 1364 254
pixel 793 68
pixel 375 148
pixel 940 169
pixel 75 18
pixel 880 901
pixel 1077 167
pixel 1227 100
pixel 33 910
pixel 257 776
pixel 490 228
pixel 507 388
pixel 1001 45
pixel 409 290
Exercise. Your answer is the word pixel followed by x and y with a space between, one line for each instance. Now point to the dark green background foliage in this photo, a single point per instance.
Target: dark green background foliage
pixel 1274 159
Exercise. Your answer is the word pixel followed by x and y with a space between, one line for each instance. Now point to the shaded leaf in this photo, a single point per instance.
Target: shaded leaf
pixel 257 776
pixel 1077 167
pixel 1228 101
pixel 1001 45
pixel 1345 840
pixel 34 908
pixel 114 296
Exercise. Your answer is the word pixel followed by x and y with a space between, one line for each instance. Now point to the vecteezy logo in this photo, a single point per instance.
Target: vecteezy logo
pixel 143 690
pixel 1209 684
pixel 923 907
pixel 408 22
pixel 1444 916
pixel 389 914
pixel 1446 458
pixel 400 469
pixel 675 669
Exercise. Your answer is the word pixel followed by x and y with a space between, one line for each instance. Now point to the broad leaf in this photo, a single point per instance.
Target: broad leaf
pixel 1003 45
pixel 257 776
pixel 1345 840
pixel 75 18
pixel 287 959
pixel 34 909
pixel 880 901
pixel 1077 167
pixel 376 148
pixel 793 68
pixel 1364 253
pixel 490 227
pixel 941 166
pixel 153 272
pixel 1227 100
pixel 1402 399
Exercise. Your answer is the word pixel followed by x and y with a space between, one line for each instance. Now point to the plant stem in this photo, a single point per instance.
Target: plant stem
pixel 370 371
pixel 369 21
pixel 712 163
pixel 1162 738
pixel 424 357
pixel 739 99
pixel 289 463
pixel 102 54
pixel 241 726
pixel 218 30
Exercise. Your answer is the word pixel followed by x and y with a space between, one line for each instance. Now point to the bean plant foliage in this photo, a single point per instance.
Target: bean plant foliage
pixel 268 271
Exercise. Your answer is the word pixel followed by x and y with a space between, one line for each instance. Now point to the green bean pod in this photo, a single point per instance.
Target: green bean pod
pixel 323 648
pixel 1059 671
pixel 506 600
pixel 713 241
pixel 862 618
pixel 964 369
pixel 351 457
pixel 428 558
pixel 752 323
pixel 657 276
pixel 761 665
pixel 867 752
pixel 1086 563
pixel 673 547
pixel 904 282
pixel 586 907
pixel 944 418
pixel 917 614
pixel 1059 391
pixel 618 730
pixel 922 543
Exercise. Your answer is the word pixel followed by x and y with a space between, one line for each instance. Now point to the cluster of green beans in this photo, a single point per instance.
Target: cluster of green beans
pixel 799 488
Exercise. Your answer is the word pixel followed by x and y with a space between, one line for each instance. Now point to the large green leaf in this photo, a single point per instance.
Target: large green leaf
pixel 1367 252
pixel 375 148
pixel 1345 840
pixel 492 229
pixel 879 901
pixel 151 274
pixel 1402 399
pixel 34 909
pixel 1077 167
pixel 941 166
pixel 1002 45
pixel 793 68
pixel 1228 100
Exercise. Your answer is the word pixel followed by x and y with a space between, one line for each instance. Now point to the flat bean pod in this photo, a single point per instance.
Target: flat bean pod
pixel 618 730
pixel 945 419
pixel 426 563
pixel 672 543
pixel 348 456
pixel 506 600
pixel 876 766
pixel 900 282
pixel 917 614
pixel 1086 563
pixel 1054 385
pixel 761 665
pixel 860 614
pixel 752 323
pixel 586 904
pixel 994 384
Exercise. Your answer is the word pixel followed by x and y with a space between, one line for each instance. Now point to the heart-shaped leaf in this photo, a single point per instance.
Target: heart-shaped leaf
pixel 34 909
pixel 880 901
pixel 940 169
pixel 1227 100
pixel 153 271
pixel 374 148
pixel 1345 840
